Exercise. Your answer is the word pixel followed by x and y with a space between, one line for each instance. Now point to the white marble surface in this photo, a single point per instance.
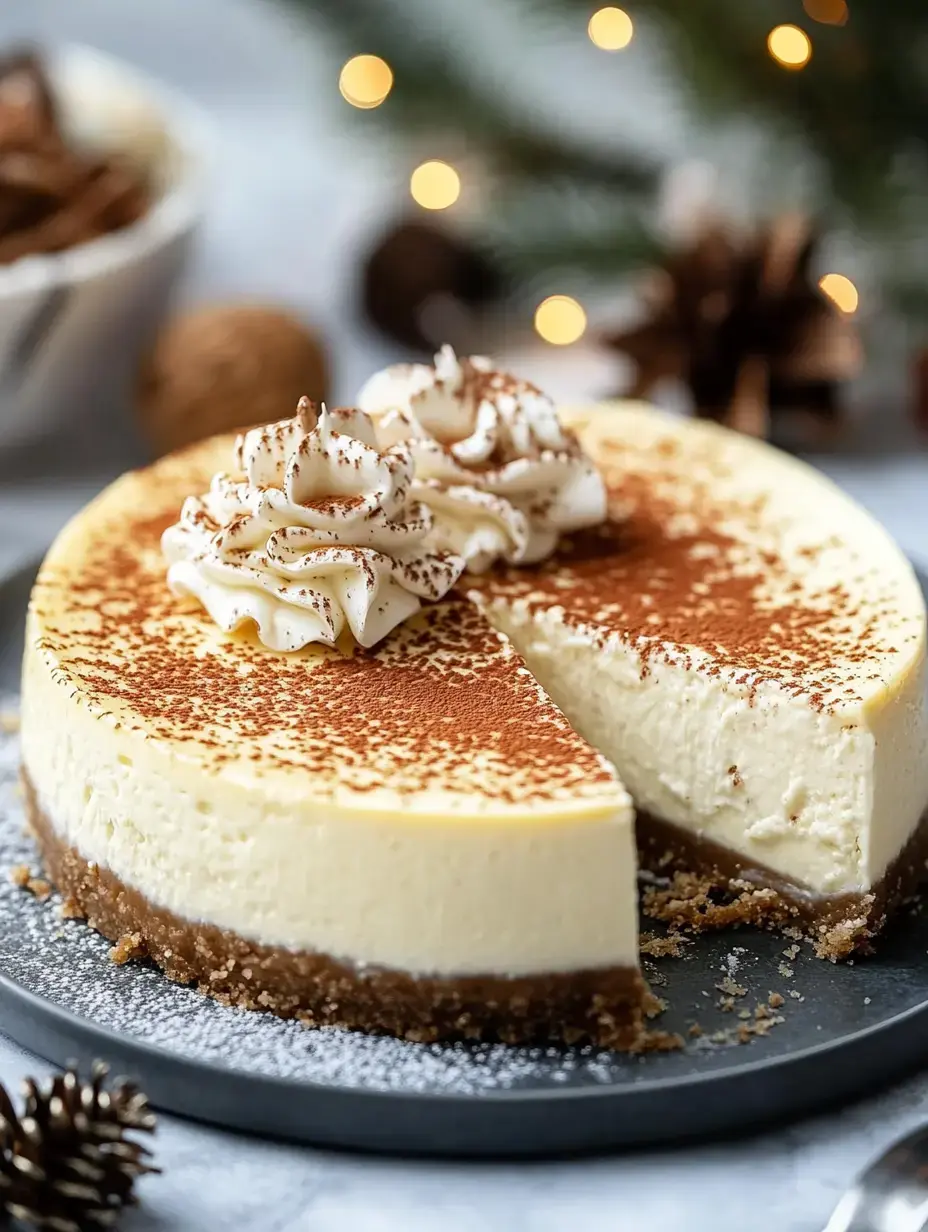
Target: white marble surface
pixel 288 213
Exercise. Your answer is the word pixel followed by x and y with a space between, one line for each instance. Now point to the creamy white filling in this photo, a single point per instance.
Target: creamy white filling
pixel 514 893
pixel 827 800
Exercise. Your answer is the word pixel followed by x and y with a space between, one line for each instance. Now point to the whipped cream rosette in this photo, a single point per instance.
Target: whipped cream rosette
pixel 500 473
pixel 321 535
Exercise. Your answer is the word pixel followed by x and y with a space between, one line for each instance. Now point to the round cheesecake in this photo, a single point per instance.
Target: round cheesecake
pixel 433 837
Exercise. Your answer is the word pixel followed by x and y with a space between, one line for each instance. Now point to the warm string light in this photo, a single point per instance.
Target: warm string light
pixel 610 29
pixel 789 46
pixel 841 291
pixel 828 12
pixel 559 319
pixel 435 185
pixel 365 81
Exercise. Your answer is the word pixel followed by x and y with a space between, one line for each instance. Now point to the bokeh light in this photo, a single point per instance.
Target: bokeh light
pixel 841 291
pixel 435 185
pixel 789 46
pixel 611 29
pixel 559 319
pixel 828 12
pixel 365 81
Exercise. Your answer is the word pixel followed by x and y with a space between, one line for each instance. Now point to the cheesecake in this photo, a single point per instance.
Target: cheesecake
pixel 376 726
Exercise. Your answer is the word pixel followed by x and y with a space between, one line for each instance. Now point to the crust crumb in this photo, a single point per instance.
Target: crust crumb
pixel 71 909
pixel 39 887
pixel 20 875
pixel 659 1041
pixel 671 946
pixel 129 946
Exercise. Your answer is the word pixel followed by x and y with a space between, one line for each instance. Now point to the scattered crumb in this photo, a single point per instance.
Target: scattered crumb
pixel 670 946
pixel 730 988
pixel 21 876
pixel 866 1000
pixel 71 910
pixel 9 721
pixel 695 1030
pixel 660 1041
pixel 791 952
pixel 744 1013
pixel 797 996
pixel 785 970
pixel 129 946
pixel 39 887
pixel 775 1000
pixel 653 1005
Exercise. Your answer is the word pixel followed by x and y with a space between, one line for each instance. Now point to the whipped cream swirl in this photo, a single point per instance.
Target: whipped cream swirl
pixel 320 535
pixel 502 476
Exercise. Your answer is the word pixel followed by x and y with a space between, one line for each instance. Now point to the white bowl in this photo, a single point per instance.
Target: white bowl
pixel 73 325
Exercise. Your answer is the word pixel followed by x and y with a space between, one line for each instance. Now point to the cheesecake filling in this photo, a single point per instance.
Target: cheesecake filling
pixel 826 799
pixel 367 882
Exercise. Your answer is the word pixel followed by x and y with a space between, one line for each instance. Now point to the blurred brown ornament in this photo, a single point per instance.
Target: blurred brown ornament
pixel 228 366
pixel 742 322
pixel 423 286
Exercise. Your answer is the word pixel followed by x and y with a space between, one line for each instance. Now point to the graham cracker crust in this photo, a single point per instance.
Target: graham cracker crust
pixel 601 1007
pixel 712 887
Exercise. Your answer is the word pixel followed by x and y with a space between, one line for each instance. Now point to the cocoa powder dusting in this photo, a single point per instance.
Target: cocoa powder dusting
pixel 442 703
pixel 685 577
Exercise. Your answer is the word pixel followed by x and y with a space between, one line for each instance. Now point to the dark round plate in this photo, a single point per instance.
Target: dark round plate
pixel 771 1032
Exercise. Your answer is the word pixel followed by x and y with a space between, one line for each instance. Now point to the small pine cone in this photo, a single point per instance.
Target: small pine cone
pixel 66 1164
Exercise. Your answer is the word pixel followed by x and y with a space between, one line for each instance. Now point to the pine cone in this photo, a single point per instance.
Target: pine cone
pixel 741 320
pixel 65 1163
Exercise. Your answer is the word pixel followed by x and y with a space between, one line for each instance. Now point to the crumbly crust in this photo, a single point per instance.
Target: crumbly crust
pixel 710 887
pixel 602 1007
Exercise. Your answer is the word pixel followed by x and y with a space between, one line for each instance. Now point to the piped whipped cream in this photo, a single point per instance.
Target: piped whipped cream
pixel 500 473
pixel 320 535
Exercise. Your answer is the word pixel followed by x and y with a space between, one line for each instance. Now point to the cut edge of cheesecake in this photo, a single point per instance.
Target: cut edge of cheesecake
pixel 591 662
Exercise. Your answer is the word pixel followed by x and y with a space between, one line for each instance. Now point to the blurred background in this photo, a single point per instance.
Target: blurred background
pixel 720 205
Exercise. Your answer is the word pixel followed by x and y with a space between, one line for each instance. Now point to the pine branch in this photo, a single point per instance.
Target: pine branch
pixel 432 91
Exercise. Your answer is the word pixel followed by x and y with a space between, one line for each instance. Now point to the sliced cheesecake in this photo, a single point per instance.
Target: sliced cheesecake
pixel 414 838
pixel 747 647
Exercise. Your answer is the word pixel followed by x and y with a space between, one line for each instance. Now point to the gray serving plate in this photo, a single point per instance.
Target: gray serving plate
pixel 843 1030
